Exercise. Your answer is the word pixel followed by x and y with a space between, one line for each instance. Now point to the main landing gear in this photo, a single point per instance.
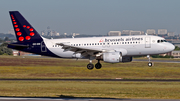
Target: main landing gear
pixel 90 66
pixel 150 64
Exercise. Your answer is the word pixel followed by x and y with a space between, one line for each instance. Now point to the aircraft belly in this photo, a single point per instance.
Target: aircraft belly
pixel 60 52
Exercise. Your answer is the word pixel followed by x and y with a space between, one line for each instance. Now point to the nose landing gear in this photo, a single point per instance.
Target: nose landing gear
pixel 150 64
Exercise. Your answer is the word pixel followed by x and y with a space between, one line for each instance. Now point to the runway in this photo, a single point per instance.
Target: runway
pixel 78 99
pixel 167 61
pixel 118 80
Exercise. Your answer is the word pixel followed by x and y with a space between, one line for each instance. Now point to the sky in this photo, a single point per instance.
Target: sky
pixel 94 17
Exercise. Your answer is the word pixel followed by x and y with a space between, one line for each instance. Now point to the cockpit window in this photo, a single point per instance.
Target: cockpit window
pixel 160 41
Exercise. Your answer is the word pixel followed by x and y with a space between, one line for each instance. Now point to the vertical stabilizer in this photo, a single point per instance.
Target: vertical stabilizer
pixel 23 30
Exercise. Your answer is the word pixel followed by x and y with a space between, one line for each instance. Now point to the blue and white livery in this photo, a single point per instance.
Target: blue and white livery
pixel 108 49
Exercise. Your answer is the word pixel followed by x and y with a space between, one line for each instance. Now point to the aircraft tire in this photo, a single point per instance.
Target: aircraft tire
pixel 90 66
pixel 150 64
pixel 98 66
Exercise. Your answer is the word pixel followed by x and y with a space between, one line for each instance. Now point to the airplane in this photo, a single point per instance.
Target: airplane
pixel 110 49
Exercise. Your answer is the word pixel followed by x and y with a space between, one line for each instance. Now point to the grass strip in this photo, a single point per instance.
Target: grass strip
pixel 36 67
pixel 91 89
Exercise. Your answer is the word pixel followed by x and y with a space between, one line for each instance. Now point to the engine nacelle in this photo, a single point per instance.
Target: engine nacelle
pixel 115 57
pixel 112 57
pixel 78 55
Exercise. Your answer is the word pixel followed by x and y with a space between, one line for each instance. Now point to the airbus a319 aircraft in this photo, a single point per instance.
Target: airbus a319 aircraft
pixel 111 49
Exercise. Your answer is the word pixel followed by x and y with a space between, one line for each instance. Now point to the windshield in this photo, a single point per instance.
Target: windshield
pixel 160 41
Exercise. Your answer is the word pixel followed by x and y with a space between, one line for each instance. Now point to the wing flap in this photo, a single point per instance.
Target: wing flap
pixel 83 50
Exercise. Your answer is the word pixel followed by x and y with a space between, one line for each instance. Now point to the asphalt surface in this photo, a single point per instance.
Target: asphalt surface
pixel 167 61
pixel 118 79
pixel 78 99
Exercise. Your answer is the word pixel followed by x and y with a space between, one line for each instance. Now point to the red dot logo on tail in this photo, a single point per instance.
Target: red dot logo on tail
pixel 28 37
pixel 32 34
pixel 31 29
pixel 15 25
pixel 12 16
pixel 28 27
pixel 21 38
pixel 19 33
pixel 17 29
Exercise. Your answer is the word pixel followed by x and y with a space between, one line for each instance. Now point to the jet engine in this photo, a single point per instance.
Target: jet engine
pixel 115 57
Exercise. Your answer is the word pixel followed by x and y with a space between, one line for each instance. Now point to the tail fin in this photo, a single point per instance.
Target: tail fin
pixel 23 30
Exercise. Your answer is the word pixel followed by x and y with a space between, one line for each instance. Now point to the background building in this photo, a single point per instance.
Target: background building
pixel 162 31
pixel 75 34
pixel 11 32
pixel 114 33
pixel 176 42
pixel 151 31
pixel 175 54
pixel 170 33
pixel 136 32
pixel 126 32
pixel 49 32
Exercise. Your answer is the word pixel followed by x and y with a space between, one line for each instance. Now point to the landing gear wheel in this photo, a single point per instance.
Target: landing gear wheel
pixel 98 66
pixel 150 64
pixel 90 66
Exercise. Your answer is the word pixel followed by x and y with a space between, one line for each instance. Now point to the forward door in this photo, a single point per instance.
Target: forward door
pixel 147 42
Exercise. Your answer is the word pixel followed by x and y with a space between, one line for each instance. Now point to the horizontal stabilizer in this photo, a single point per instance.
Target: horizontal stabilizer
pixel 19 45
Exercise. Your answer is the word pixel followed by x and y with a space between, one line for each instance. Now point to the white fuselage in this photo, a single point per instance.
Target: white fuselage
pixel 128 45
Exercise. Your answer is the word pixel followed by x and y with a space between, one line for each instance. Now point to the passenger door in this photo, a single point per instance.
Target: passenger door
pixel 43 47
pixel 147 42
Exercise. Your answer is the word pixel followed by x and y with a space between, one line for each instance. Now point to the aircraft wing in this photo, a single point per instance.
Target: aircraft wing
pixel 77 49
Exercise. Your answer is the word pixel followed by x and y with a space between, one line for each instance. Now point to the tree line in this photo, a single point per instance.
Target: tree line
pixel 4 50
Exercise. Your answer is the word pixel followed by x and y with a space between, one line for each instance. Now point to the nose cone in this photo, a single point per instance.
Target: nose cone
pixel 171 47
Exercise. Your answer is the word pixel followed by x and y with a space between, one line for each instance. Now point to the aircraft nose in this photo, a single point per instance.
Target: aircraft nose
pixel 171 47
